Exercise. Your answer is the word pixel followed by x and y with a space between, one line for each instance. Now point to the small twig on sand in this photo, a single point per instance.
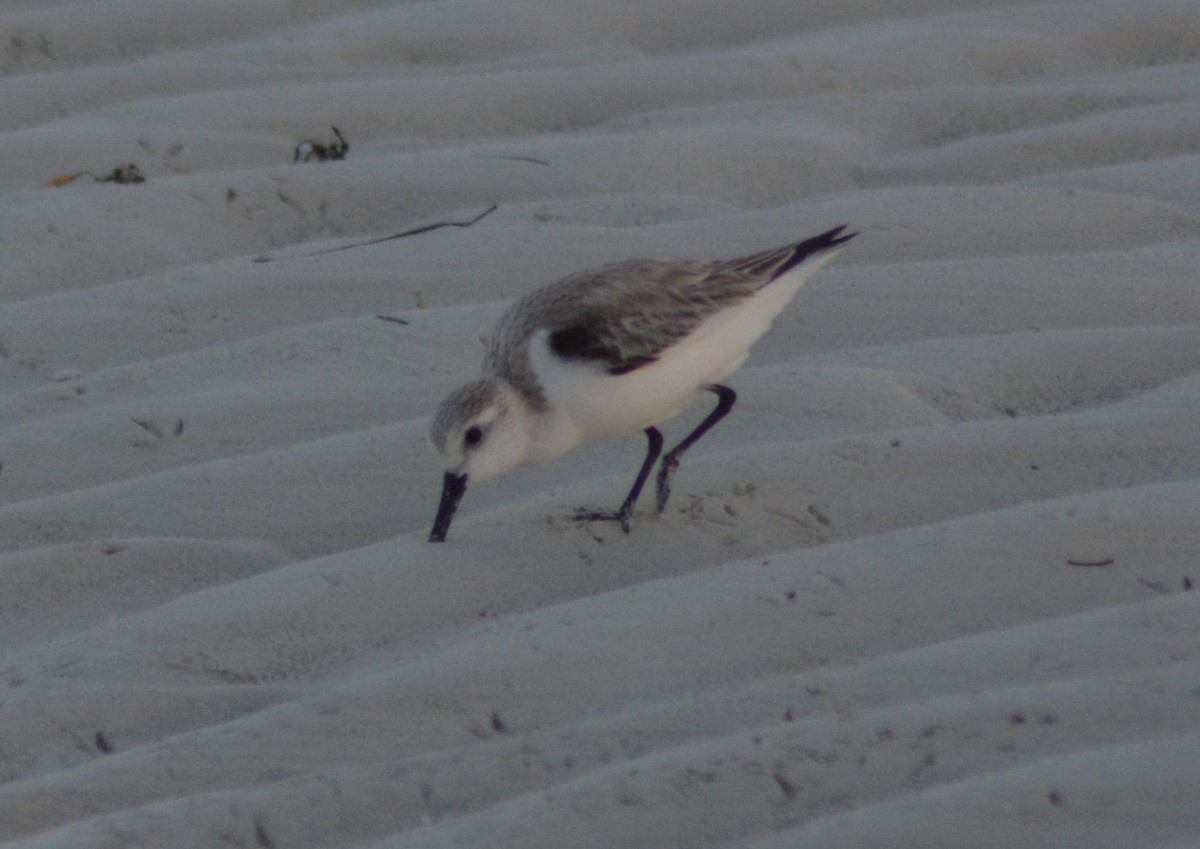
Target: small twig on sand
pixel 308 150
pixel 416 231
pixel 531 159
pixel 1107 561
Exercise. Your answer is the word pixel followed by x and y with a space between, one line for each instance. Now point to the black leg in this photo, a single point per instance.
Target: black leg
pixel 654 444
pixel 670 461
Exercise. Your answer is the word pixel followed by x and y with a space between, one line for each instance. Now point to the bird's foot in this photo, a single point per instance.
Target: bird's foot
pixel 620 516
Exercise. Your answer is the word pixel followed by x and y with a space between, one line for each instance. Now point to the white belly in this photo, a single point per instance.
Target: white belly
pixel 597 405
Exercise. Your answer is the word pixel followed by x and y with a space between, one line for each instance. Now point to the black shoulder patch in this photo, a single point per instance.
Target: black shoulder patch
pixel 580 343
pixel 632 364
pixel 574 342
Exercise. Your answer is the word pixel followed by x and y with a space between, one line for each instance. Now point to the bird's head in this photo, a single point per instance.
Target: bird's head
pixel 481 432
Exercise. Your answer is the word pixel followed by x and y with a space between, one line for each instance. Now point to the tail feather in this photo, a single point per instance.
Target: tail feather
pixel 774 263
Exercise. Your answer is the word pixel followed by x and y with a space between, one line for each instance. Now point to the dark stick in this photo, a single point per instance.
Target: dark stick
pixel 416 231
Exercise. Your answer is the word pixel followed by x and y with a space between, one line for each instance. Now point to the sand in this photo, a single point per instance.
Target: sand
pixel 930 585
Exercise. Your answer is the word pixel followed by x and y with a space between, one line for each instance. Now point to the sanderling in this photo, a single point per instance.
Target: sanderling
pixel 607 352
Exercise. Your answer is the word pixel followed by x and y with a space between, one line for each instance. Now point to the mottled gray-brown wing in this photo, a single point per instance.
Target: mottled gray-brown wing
pixel 626 315
pixel 623 316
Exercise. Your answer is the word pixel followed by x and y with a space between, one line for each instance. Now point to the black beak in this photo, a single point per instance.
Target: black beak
pixel 453 487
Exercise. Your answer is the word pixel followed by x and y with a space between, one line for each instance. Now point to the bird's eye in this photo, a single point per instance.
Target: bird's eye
pixel 473 436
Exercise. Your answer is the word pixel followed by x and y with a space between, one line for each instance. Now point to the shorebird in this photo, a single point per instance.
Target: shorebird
pixel 607 352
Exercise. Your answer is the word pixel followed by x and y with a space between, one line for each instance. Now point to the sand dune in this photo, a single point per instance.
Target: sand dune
pixel 930 585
